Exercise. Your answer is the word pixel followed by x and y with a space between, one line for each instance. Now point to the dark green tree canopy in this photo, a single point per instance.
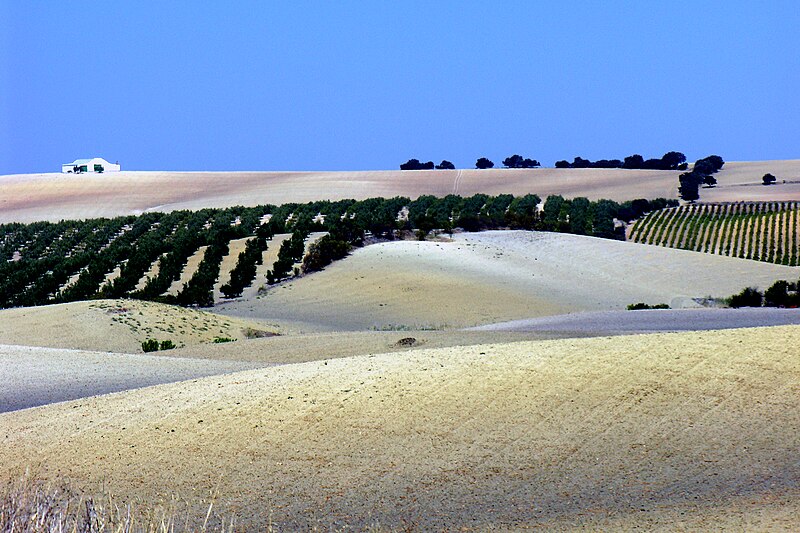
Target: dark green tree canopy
pixel 483 163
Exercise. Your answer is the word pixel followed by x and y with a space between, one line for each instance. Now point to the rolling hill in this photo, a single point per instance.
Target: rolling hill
pixel 52 197
pixel 486 277
pixel 118 325
pixel 650 431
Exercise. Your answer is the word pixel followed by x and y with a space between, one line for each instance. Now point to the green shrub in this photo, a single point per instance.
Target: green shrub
pixel 220 340
pixel 749 297
pixel 639 306
pixel 167 345
pixel 324 252
pixel 150 345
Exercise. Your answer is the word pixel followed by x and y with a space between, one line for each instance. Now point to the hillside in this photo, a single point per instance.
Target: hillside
pixel 486 277
pixel 117 325
pixel 32 197
pixel 34 376
pixel 650 431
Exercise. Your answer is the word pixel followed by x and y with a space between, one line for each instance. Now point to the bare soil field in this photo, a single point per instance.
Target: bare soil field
pixel 647 431
pixel 55 196
pixel 35 376
pixel 482 278
pixel 648 321
pixel 115 325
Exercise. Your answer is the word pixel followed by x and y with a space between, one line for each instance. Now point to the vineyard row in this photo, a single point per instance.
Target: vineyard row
pixel 761 231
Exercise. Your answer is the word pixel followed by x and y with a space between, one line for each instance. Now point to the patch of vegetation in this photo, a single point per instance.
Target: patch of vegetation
pixel 251 333
pixel 221 340
pixel 749 297
pixel 150 345
pixel 639 306
pixel 166 345
pixel 780 294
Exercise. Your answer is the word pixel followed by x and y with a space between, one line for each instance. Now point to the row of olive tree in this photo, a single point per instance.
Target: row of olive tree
pixel 41 257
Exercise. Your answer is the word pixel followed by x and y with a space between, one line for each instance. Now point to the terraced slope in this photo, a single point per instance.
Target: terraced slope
pixel 762 231
pixel 642 432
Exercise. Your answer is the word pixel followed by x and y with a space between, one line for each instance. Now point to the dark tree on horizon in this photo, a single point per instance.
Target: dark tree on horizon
pixel 483 163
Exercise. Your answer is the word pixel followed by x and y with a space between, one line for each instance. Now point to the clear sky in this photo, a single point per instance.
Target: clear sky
pixel 269 85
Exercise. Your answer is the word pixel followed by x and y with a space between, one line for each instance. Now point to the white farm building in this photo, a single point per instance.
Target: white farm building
pixel 96 164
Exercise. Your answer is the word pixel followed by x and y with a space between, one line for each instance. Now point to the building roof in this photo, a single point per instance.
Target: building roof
pixel 79 162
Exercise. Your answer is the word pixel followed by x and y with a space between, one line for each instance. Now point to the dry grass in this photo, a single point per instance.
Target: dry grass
pixel 29 506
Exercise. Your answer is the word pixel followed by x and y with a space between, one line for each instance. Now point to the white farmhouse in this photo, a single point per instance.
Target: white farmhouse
pixel 96 164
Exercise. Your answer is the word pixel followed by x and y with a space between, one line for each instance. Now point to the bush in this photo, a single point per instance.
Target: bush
pixel 150 345
pixel 778 295
pixel 220 340
pixel 749 297
pixel 768 179
pixel 639 306
pixel 167 345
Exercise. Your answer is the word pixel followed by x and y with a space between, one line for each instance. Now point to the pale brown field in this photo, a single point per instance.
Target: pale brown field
pixel 31 197
pixel 651 431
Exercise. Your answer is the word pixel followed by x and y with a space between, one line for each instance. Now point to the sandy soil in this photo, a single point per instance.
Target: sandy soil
pixel 289 349
pixel 649 321
pixel 39 376
pixel 115 325
pixel 623 432
pixel 31 197
pixel 488 277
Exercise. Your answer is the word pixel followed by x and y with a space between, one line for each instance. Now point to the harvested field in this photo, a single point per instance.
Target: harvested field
pixel 35 376
pixel 32 197
pixel 621 432
pixel 115 325
pixel 648 321
pixel 487 277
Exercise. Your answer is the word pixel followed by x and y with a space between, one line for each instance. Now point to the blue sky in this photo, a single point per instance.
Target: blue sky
pixel 367 85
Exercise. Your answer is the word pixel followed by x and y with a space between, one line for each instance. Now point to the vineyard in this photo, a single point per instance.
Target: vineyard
pixel 198 257
pixel 761 231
